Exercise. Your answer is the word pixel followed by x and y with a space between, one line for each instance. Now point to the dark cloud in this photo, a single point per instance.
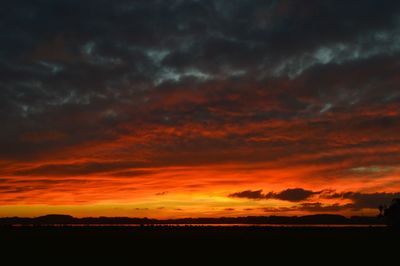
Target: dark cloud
pixel 358 200
pixel 74 64
pixel 293 195
pixel 141 209
pixel 366 200
pixel 248 194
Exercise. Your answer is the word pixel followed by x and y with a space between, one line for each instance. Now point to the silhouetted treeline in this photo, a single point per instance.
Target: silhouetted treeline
pixel 391 213
pixel 327 219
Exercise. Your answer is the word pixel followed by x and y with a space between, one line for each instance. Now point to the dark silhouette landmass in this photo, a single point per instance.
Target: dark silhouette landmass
pixel 391 213
pixel 198 245
pixel 70 239
pixel 322 219
pixel 75 239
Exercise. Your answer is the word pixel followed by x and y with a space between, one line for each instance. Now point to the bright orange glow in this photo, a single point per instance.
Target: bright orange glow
pixel 171 109
pixel 130 177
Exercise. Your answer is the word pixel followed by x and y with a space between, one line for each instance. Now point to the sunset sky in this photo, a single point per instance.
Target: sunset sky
pixel 199 108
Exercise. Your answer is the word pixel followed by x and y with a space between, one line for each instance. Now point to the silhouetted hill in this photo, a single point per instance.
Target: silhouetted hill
pixel 54 219
pixel 323 219
pixel 328 219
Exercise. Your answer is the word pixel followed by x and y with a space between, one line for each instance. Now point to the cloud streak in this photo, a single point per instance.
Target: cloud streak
pixel 310 200
pixel 290 194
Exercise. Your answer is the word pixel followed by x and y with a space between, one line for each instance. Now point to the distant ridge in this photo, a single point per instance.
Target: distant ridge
pixel 61 219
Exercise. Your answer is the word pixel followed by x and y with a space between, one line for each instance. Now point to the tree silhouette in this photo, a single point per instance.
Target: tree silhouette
pixel 381 209
pixel 392 213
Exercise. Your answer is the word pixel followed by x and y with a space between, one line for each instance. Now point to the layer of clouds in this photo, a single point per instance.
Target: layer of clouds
pixel 291 194
pixel 248 194
pixel 363 200
pixel 187 83
pixel 307 199
pixel 94 66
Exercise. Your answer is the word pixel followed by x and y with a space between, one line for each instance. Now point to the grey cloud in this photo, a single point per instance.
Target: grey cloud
pixel 358 200
pixel 248 194
pixel 291 194
pixel 366 200
pixel 99 65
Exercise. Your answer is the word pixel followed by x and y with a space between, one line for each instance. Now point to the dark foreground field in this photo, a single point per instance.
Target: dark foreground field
pixel 200 244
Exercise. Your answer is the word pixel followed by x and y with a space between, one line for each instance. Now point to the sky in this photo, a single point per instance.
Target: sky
pixel 189 108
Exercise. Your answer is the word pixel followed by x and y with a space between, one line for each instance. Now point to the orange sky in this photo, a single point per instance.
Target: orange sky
pixel 199 108
pixel 131 176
